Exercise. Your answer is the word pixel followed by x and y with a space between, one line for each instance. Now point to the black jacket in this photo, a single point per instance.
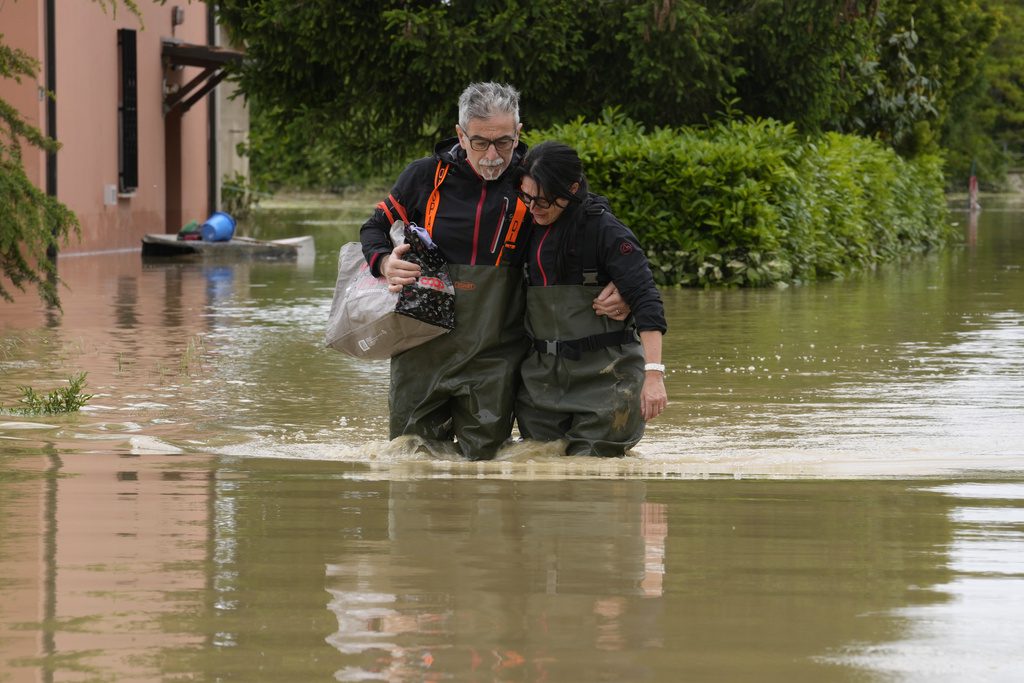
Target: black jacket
pixel 473 215
pixel 596 239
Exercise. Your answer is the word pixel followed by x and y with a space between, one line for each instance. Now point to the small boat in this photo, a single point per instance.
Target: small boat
pixel 301 249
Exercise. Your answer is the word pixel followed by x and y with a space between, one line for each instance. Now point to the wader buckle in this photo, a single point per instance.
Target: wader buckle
pixel 573 349
pixel 565 349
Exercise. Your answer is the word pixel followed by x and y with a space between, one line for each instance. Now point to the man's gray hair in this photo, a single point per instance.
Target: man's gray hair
pixel 484 100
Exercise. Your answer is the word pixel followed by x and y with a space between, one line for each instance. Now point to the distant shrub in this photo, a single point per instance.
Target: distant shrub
pixel 749 203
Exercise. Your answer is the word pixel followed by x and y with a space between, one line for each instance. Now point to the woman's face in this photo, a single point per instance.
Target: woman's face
pixel 543 212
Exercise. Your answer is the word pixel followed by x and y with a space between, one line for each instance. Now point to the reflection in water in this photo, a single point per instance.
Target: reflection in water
pixel 971 237
pixel 653 530
pixel 260 569
pixel 49 557
pixel 125 302
pixel 975 632
pixel 172 314
pixel 120 558
pixel 225 556
pixel 219 284
pixel 490 577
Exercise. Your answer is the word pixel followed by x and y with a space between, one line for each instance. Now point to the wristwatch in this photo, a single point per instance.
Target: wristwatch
pixel 659 367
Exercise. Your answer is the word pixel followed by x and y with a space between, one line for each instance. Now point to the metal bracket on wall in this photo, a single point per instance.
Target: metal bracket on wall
pixel 214 63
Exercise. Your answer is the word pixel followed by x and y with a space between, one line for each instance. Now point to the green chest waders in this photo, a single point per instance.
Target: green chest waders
pixel 582 379
pixel 462 384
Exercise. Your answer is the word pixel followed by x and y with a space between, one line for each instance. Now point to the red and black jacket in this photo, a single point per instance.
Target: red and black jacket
pixel 599 250
pixel 475 221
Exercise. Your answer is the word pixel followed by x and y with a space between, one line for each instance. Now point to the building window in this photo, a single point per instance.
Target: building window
pixel 127 113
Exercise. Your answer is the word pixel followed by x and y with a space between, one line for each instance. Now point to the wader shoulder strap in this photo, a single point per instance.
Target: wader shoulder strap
pixel 435 197
pixel 513 229
pixel 383 206
pixel 591 237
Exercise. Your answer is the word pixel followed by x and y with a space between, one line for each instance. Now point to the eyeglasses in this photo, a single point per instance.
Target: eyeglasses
pixel 539 202
pixel 502 144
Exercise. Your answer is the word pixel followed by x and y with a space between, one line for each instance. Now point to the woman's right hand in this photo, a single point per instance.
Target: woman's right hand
pixel 398 272
pixel 653 397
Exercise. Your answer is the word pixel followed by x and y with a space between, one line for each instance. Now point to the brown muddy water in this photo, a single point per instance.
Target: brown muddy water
pixel 836 492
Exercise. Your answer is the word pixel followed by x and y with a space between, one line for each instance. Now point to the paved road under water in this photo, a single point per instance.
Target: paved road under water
pixel 836 492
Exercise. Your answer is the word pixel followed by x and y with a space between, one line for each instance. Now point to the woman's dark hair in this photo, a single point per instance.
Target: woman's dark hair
pixel 555 167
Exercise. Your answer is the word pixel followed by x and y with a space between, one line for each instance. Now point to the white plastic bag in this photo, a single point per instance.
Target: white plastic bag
pixel 363 322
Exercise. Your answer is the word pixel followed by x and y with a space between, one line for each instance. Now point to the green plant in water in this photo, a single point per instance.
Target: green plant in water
pixel 192 357
pixel 67 399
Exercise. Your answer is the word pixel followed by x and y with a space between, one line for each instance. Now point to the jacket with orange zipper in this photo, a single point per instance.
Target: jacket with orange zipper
pixel 473 224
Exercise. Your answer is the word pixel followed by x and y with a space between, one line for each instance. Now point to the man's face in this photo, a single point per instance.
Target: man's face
pixel 491 161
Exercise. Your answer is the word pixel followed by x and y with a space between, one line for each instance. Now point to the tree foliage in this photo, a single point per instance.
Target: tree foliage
pixel 374 81
pixel 31 222
pixel 1002 111
pixel 985 129
pixel 932 61
pixel 802 61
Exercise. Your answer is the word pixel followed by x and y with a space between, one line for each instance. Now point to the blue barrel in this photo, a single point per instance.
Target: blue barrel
pixel 219 227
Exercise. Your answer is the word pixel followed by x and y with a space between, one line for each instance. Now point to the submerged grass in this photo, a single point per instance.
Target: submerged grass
pixel 18 476
pixel 191 361
pixel 67 399
pixel 192 357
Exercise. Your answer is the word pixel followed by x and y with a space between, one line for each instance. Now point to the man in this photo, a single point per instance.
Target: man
pixel 462 384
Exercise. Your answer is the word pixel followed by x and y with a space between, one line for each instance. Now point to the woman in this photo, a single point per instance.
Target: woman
pixel 586 379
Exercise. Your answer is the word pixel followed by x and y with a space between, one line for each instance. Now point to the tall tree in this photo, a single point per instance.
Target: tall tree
pixel 1003 110
pixel 802 61
pixel 931 54
pixel 374 80
pixel 379 78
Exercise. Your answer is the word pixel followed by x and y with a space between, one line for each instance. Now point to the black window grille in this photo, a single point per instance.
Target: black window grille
pixel 128 114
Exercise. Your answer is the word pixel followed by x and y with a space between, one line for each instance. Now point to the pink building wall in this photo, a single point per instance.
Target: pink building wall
pixel 21 24
pixel 87 115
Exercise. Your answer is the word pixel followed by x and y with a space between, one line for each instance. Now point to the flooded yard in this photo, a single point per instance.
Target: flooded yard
pixel 835 492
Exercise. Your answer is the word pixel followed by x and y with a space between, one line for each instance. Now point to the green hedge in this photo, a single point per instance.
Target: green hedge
pixel 751 203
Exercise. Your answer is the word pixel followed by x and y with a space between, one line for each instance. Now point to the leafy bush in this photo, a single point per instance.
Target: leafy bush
pixel 67 399
pixel 750 203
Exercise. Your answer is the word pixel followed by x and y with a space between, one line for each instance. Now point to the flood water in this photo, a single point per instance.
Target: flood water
pixel 835 493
